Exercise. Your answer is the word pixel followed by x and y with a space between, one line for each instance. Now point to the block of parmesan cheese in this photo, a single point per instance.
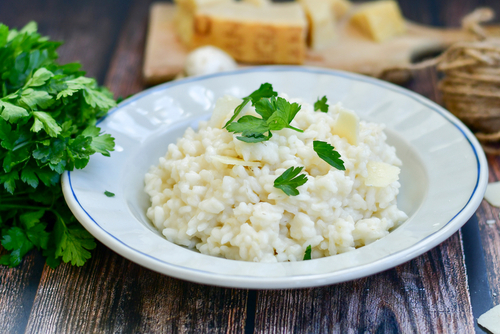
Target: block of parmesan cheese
pixel 184 16
pixel 321 23
pixel 183 23
pixel 275 33
pixel 379 20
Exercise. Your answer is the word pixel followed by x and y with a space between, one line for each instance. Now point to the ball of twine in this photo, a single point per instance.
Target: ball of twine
pixel 471 83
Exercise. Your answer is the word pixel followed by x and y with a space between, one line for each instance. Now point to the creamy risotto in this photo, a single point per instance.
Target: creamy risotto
pixel 216 193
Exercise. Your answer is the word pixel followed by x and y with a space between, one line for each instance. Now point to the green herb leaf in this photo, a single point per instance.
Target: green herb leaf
pixel 12 113
pixel 109 194
pixel 72 242
pixel 40 77
pixel 16 241
pixel 283 115
pixel 321 104
pixel 327 152
pixel 101 143
pixel 289 181
pixel 307 253
pixel 265 91
pixel 277 114
pixel 44 121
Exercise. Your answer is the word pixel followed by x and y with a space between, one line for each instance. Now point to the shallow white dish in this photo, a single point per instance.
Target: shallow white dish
pixel 444 175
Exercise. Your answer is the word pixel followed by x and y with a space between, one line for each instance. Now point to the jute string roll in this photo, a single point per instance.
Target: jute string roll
pixel 471 83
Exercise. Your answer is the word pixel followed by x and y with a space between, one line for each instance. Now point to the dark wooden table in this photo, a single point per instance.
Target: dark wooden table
pixel 442 291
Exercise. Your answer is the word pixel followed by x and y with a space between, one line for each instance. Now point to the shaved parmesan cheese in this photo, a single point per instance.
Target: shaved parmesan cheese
pixel 491 320
pixel 235 161
pixel 381 174
pixel 492 194
pixel 347 126
pixel 223 110
pixel 491 221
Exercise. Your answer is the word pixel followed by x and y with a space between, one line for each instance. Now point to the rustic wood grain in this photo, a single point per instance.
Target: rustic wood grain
pixel 18 287
pixel 88 28
pixel 113 295
pixel 124 76
pixel 490 233
pixel 417 297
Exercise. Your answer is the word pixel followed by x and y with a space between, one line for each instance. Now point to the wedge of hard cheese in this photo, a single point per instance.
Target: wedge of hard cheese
pixel 380 20
pixel 321 23
pixel 275 33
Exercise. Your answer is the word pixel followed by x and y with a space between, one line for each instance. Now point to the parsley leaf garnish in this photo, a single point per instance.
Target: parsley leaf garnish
pixel 48 114
pixel 109 193
pixel 327 152
pixel 289 181
pixel 321 104
pixel 276 113
pixel 307 253
pixel 265 91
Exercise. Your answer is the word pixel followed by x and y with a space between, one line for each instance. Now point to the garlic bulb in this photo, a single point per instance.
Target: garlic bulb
pixel 208 60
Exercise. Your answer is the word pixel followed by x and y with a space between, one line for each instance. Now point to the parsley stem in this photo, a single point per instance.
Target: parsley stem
pixel 293 128
pixel 58 216
pixel 21 144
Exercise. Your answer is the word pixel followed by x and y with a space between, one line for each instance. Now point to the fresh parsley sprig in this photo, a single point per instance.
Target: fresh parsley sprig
pixel 289 181
pixel 327 152
pixel 48 114
pixel 307 253
pixel 321 104
pixel 276 113
pixel 265 91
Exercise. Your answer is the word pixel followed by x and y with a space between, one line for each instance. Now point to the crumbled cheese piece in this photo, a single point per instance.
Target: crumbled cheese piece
pixel 223 110
pixel 380 20
pixel 491 320
pixel 381 174
pixel 347 126
pixel 491 221
pixel 492 194
pixel 321 23
pixel 275 33
pixel 207 60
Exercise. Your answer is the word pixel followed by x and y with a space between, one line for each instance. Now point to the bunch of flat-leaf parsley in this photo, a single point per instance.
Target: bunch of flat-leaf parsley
pixel 48 114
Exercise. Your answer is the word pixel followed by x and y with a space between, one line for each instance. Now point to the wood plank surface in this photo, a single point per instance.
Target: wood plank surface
pixel 416 297
pixel 18 287
pixel 88 28
pixel 111 294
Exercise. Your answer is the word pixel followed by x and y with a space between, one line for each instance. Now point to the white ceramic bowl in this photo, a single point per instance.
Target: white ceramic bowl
pixel 443 177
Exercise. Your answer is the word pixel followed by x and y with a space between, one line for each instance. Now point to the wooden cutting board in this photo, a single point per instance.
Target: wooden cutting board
pixel 352 51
